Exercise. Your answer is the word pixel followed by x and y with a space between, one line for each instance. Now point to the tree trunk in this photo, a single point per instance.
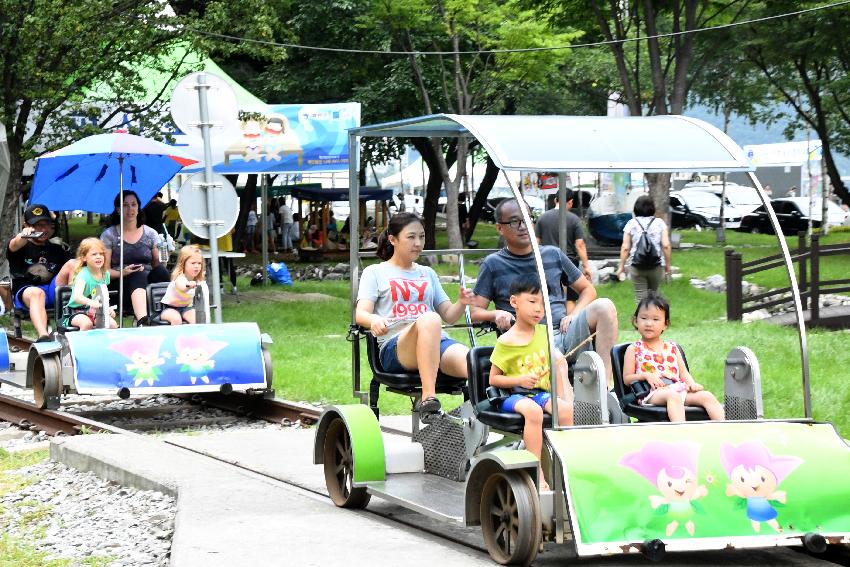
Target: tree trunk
pixel 8 207
pixel 433 160
pixel 659 190
pixel 248 197
pixel 490 176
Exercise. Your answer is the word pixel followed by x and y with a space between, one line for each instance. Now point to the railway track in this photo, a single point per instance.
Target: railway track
pixel 57 422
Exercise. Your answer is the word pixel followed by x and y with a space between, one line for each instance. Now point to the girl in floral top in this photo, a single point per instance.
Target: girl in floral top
pixel 660 364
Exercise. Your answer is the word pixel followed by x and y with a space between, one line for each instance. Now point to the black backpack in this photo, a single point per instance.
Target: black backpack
pixel 646 255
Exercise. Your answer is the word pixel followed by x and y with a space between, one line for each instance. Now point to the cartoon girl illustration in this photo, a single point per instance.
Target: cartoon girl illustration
pixel 145 356
pixel 195 354
pixel 672 469
pixel 754 475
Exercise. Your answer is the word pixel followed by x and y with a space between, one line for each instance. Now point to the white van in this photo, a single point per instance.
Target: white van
pixel 743 198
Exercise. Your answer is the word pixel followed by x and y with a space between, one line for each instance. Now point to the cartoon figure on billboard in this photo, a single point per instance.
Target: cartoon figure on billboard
pixel 195 354
pixel 754 475
pixel 145 356
pixel 672 469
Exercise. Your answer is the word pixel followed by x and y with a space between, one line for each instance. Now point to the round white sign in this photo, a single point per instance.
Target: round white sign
pixel 193 206
pixel 221 105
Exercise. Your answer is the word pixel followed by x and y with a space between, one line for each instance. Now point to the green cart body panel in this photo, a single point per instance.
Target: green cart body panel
pixel 704 485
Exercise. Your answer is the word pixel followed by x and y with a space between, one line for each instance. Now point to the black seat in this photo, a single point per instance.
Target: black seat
pixel 61 309
pixel 155 293
pixel 627 394
pixel 478 365
pixel 408 383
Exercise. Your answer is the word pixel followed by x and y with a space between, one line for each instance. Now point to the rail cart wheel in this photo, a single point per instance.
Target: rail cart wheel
pixel 339 468
pixel 47 381
pixel 267 362
pixel 510 518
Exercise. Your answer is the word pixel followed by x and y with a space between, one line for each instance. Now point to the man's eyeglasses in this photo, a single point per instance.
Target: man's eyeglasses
pixel 514 223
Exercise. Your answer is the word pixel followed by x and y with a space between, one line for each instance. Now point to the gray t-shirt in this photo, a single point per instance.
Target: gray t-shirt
pixel 401 296
pixel 547 230
pixel 500 269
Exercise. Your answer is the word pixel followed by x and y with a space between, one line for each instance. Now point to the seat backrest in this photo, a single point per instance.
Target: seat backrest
pixel 478 366
pixel 155 293
pixel 618 357
pixel 60 307
pixel 372 350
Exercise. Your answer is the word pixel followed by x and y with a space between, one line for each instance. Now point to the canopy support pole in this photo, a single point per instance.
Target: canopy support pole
pixel 795 292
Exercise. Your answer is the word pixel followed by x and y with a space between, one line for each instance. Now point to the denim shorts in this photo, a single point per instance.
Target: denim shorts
pixel 389 355
pixel 540 398
pixel 180 310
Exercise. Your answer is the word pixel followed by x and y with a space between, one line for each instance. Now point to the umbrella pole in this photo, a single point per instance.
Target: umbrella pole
pixel 121 241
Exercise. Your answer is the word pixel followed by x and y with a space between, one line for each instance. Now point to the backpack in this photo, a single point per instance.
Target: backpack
pixel 646 255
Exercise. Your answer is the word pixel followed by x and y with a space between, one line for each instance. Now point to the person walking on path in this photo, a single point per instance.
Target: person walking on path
pixel 645 278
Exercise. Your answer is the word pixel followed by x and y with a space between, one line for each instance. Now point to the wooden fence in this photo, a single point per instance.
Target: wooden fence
pixel 808 261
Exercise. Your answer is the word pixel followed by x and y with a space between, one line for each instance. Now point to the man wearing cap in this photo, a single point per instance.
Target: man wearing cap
pixel 37 267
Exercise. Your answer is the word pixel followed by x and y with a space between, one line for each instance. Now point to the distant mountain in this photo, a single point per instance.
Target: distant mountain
pixel 745 133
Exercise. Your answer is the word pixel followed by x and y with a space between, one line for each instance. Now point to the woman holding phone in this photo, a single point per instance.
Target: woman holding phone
pixel 141 257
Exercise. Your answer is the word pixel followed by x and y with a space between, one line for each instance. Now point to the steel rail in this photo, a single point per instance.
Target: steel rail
pixel 27 415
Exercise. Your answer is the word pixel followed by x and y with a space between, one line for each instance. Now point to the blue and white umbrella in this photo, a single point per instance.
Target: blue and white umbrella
pixel 88 174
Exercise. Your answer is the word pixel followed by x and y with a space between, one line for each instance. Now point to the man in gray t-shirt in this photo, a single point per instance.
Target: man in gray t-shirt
pixel 547 229
pixel 497 271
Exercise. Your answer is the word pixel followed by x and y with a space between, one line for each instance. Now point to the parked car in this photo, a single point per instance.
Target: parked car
pixel 744 198
pixel 793 217
pixel 499 194
pixel 696 208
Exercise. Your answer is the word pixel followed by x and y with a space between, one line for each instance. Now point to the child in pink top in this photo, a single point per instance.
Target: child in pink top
pixel 180 296
pixel 660 364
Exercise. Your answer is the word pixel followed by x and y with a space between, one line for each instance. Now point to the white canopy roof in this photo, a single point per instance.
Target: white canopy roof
pixel 582 143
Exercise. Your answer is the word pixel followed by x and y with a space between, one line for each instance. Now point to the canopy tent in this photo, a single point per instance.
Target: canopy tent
pixel 318 194
pixel 651 144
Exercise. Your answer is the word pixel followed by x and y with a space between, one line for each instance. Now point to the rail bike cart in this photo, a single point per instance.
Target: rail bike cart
pixel 182 359
pixel 617 488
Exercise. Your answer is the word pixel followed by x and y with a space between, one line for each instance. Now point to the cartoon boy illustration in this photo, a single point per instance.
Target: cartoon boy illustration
pixel 672 469
pixel 145 356
pixel 195 354
pixel 754 475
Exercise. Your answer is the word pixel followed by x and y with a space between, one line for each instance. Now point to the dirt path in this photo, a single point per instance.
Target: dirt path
pixel 276 295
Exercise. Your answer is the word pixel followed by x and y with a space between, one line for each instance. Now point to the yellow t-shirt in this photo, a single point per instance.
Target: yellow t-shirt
pixel 531 358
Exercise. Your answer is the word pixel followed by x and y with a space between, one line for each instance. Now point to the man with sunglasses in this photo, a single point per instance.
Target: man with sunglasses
pixel 498 270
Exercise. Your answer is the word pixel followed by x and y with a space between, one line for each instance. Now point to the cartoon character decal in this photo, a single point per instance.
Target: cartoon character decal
pixel 754 475
pixel 144 352
pixel 672 469
pixel 195 354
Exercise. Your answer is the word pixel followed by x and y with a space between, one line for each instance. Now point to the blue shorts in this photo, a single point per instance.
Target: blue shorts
pixel 389 355
pixel 540 398
pixel 49 295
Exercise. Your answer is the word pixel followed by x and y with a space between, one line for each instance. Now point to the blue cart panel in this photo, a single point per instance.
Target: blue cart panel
pixel 166 359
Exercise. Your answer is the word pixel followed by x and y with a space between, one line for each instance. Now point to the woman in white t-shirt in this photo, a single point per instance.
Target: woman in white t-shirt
pixel 645 279
pixel 404 305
